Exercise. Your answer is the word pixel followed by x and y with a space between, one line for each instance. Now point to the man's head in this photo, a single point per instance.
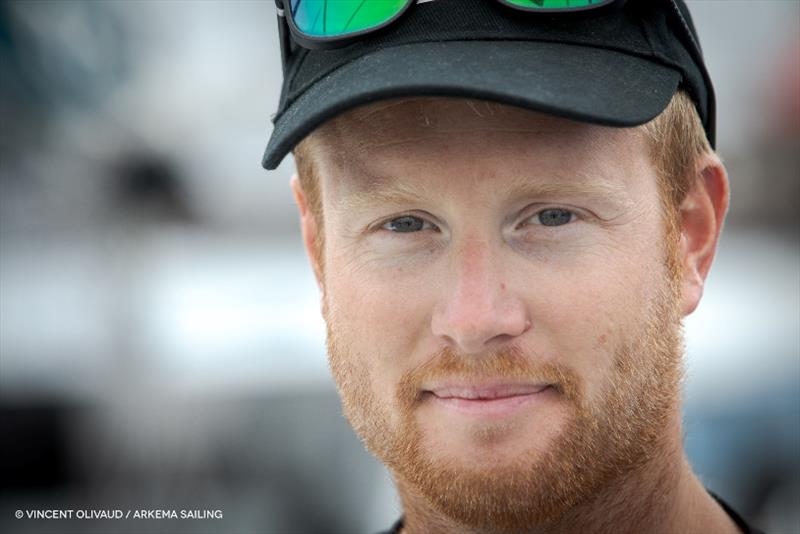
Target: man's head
pixel 508 215
pixel 473 249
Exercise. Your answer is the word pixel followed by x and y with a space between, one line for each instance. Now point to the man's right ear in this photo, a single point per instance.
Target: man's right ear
pixel 308 227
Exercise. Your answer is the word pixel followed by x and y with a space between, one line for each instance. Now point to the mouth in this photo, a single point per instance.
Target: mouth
pixel 487 399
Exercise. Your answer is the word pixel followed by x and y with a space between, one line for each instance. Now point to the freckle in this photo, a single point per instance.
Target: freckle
pixel 601 340
pixel 503 285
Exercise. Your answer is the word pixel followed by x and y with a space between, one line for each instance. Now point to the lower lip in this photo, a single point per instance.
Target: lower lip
pixel 492 407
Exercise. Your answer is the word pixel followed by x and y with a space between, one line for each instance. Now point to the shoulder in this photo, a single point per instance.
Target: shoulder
pixel 743 525
pixel 395 529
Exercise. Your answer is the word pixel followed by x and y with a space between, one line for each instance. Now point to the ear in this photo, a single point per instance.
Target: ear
pixel 308 227
pixel 701 216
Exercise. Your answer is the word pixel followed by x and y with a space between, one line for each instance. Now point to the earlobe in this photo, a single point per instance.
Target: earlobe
pixel 702 214
pixel 308 227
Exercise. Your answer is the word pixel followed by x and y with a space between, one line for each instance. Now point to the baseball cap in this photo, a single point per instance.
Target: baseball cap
pixel 617 67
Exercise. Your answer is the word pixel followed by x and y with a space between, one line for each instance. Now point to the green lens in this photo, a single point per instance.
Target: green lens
pixel 557 5
pixel 335 18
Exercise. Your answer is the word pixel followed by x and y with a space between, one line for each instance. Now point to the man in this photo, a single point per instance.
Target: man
pixel 509 206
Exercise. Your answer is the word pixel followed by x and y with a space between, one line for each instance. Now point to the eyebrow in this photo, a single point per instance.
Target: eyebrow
pixel 574 184
pixel 378 190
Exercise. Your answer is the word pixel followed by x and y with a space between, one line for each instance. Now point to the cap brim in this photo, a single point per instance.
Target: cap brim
pixel 583 83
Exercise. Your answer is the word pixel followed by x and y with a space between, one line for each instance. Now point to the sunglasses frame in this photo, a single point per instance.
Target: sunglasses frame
pixel 289 31
pixel 315 43
pixel 607 4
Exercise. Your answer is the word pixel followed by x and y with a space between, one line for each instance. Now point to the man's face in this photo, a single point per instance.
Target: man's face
pixel 502 315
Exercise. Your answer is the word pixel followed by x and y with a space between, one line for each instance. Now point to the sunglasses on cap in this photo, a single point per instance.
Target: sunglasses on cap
pixel 335 56
pixel 318 24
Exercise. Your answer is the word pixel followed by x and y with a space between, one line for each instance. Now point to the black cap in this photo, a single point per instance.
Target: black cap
pixel 616 67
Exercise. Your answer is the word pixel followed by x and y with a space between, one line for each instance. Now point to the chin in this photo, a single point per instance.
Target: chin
pixel 478 444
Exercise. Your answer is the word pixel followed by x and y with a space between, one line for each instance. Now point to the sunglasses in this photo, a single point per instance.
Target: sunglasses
pixel 334 23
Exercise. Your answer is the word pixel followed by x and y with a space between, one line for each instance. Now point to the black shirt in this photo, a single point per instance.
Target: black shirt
pixel 740 522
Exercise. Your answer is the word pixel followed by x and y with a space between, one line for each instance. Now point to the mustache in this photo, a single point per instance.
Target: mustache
pixel 509 364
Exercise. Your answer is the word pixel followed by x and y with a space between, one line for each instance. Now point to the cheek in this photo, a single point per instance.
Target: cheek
pixel 381 315
pixel 376 307
pixel 587 309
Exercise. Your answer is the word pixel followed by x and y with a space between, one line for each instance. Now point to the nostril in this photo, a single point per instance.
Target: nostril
pixel 502 338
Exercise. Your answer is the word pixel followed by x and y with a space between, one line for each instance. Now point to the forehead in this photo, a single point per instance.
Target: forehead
pixel 393 122
pixel 413 135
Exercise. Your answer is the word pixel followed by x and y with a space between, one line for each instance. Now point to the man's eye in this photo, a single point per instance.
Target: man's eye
pixel 407 224
pixel 555 217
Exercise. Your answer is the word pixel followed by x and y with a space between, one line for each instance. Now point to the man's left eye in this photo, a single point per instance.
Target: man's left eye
pixel 554 217
pixel 407 224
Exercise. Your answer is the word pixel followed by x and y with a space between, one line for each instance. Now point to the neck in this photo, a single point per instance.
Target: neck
pixel 662 496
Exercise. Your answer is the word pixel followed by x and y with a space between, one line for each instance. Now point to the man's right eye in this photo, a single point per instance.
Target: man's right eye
pixel 407 224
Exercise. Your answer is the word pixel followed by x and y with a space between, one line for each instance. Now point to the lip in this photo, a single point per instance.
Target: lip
pixel 487 399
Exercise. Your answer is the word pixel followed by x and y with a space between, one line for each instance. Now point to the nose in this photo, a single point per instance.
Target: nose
pixel 478 312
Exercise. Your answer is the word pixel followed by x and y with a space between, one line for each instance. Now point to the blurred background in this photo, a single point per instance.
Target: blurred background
pixel 160 339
